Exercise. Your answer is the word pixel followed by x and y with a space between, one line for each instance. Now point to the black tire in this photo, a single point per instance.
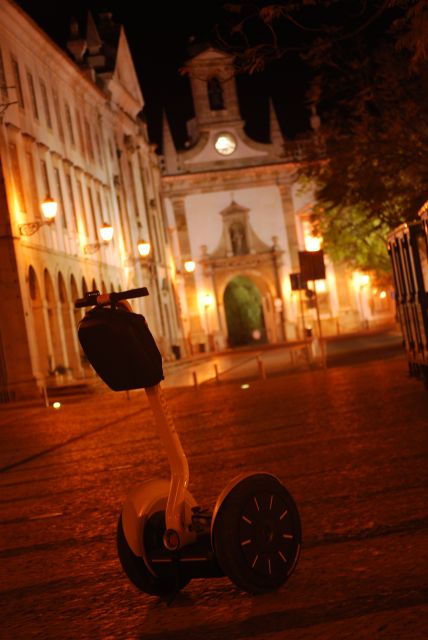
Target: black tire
pixel 168 579
pixel 256 534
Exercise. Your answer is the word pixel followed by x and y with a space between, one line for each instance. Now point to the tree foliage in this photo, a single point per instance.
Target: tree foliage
pixel 369 78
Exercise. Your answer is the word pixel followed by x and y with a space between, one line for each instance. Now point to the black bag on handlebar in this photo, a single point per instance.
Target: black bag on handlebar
pixel 120 347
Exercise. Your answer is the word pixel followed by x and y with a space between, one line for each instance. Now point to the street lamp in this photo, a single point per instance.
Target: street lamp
pixel 144 248
pixel 49 208
pixel 106 233
pixel 189 266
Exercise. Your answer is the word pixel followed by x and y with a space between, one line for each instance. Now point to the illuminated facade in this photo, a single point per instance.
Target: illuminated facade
pixel 70 129
pixel 235 208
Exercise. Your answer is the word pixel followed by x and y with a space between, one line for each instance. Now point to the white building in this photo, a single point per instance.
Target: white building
pixel 70 129
pixel 235 209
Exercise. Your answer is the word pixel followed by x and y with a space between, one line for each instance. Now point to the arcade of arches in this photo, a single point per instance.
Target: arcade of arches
pixel 56 349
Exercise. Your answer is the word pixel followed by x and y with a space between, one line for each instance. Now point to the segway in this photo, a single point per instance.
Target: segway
pixel 164 538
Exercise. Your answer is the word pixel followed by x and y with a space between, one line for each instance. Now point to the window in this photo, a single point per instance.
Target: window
pixel 133 189
pixel 98 147
pixel 3 81
pixel 89 139
pixel 61 198
pixel 17 176
pixel 102 213
pixel 46 104
pixel 34 105
pixel 17 81
pixel 58 115
pixel 93 214
pixel 45 177
pixel 215 94
pixel 82 208
pixel 69 122
pixel 71 198
pixel 33 192
pixel 80 132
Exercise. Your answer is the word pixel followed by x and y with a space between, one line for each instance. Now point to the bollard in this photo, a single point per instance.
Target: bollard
pixel 262 371
pixel 195 379
pixel 45 396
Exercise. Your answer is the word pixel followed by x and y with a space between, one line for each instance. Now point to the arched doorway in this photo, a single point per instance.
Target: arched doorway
pixel 40 342
pixel 67 315
pixel 244 313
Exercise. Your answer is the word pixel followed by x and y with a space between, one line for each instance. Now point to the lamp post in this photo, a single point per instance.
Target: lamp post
pixel 106 233
pixel 49 208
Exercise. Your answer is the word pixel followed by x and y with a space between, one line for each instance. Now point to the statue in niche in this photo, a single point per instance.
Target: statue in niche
pixel 238 239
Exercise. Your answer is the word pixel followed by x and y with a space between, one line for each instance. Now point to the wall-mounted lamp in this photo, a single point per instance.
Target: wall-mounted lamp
pixel 144 248
pixel 106 233
pixel 189 266
pixel 49 208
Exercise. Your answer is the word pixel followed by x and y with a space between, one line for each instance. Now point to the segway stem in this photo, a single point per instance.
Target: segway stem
pixel 175 516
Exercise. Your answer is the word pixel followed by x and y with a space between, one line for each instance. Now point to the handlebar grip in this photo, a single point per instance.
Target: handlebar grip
pixel 91 299
pixel 131 293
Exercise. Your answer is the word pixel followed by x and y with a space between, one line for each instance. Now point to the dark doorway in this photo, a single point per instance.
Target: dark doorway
pixel 244 313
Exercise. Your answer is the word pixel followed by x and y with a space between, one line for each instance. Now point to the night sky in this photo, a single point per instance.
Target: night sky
pixel 159 34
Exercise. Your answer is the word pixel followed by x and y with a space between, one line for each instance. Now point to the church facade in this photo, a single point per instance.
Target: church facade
pixel 237 212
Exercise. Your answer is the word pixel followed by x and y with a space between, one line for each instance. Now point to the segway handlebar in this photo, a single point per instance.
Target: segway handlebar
pixel 94 298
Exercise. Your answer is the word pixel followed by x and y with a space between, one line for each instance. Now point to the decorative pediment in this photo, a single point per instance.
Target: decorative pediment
pixel 238 238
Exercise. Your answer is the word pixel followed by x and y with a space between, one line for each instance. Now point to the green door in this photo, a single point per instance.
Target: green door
pixel 244 313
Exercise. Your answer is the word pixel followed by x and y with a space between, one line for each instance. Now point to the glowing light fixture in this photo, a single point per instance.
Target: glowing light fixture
pixel 144 248
pixel 189 266
pixel 49 208
pixel 313 243
pixel 106 233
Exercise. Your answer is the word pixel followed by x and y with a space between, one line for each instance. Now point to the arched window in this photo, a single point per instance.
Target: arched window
pixel 61 288
pixel 215 94
pixel 33 284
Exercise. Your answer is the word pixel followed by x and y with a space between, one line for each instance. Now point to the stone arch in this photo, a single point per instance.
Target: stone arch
pixel 265 286
pixel 77 313
pixel 68 325
pixel 243 307
pixel 56 356
pixel 41 344
pixel 77 316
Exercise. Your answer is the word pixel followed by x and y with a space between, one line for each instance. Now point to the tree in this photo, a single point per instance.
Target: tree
pixel 368 80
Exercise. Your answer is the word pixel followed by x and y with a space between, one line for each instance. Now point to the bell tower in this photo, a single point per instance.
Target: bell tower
pixel 212 79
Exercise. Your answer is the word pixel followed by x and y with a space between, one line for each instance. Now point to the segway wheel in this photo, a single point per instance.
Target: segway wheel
pixel 256 533
pixel 168 579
